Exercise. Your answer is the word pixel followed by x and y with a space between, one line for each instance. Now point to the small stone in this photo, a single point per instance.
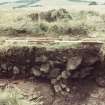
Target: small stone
pixel 45 68
pixel 9 68
pixel 73 63
pixel 59 77
pixel 68 89
pixel 57 88
pixel 54 73
pixel 35 72
pixel 16 70
pixel 4 66
pixel 64 93
pixel 64 58
pixel 53 81
pixel 51 63
pixel 28 61
pixel 63 85
pixel 91 60
pixel 65 74
pixel 57 62
pixel 42 59
pixel 31 78
pixel 100 81
pixel 68 73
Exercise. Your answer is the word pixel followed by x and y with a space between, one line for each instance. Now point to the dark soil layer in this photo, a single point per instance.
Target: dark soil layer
pixel 59 66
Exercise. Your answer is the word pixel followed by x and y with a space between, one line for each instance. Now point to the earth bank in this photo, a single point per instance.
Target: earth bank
pixel 66 69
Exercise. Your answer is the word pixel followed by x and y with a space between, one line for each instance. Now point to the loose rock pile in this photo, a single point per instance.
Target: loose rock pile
pixel 58 65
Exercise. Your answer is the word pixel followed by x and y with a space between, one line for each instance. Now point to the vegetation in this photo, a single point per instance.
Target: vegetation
pixel 11 96
pixel 53 22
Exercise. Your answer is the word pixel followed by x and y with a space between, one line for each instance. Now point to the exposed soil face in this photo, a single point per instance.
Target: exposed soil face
pixel 82 92
pixel 68 76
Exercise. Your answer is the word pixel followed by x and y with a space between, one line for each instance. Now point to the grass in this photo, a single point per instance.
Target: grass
pixel 53 22
pixel 10 96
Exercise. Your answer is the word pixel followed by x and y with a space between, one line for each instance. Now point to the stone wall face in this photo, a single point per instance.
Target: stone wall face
pixel 58 66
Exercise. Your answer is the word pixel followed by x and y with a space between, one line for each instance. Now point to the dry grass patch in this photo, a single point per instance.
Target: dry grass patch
pixel 12 96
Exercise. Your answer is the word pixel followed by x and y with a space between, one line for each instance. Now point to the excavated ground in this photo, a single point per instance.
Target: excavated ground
pixel 65 72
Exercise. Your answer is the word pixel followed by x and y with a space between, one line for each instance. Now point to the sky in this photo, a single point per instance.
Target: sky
pixel 7 1
pixel 100 0
pixel 50 0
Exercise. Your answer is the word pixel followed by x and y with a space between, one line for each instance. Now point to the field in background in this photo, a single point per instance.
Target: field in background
pixel 85 21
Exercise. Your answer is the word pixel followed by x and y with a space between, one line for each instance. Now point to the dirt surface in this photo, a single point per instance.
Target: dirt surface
pixel 85 92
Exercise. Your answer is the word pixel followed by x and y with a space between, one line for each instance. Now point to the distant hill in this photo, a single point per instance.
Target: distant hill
pixel 80 1
pixel 36 3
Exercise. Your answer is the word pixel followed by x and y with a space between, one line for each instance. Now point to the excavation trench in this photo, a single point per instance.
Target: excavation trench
pixel 59 66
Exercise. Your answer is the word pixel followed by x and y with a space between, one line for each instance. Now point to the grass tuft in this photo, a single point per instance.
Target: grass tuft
pixel 10 96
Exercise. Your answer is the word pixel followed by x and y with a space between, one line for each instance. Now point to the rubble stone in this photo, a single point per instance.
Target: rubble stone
pixel 91 60
pixel 73 63
pixel 45 68
pixel 35 72
pixel 4 66
pixel 16 70
pixel 41 58
pixel 57 88
pixel 54 72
